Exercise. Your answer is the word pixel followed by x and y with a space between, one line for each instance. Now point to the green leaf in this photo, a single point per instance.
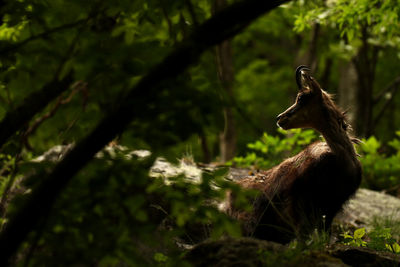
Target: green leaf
pixel 160 257
pixel 359 233
pixel 396 248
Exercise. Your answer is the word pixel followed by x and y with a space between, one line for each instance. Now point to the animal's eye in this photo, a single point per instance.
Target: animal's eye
pixel 302 98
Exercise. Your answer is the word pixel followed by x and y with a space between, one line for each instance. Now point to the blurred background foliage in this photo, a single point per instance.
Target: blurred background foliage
pixel 216 110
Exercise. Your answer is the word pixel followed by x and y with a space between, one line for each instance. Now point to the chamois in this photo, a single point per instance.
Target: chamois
pixel 306 191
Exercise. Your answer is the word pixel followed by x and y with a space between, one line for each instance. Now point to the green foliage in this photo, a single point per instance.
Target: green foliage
pixel 188 202
pixel 271 150
pixel 114 213
pixel 355 239
pixel 384 235
pixel 381 239
pixel 111 212
pixel 298 253
pixel 380 170
pixel 8 164
pixel 107 47
pixel 351 17
pixel 380 163
pixel 388 222
pixel 258 83
pixel 378 239
pixel 160 257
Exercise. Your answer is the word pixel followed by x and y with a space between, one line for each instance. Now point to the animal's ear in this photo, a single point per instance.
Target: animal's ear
pixel 305 81
pixel 314 85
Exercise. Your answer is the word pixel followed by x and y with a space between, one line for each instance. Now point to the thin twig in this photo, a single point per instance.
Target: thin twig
pixel 60 101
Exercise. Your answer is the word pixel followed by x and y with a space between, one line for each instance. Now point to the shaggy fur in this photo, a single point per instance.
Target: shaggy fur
pixel 306 191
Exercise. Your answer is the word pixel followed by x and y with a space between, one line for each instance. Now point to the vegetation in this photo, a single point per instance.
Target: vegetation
pixel 378 238
pixel 204 78
pixel 381 162
pixel 271 150
pixel 114 206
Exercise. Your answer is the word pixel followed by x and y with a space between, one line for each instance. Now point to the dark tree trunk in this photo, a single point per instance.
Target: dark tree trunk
pixel 347 91
pixel 204 148
pixel 365 63
pixel 224 60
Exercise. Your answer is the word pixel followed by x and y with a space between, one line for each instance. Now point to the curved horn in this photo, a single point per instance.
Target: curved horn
pixel 298 74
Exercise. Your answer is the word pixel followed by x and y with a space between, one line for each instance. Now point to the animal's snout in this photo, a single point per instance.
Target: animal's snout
pixel 284 115
pixel 282 120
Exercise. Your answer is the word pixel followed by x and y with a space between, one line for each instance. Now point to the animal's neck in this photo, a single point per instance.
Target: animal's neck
pixel 337 139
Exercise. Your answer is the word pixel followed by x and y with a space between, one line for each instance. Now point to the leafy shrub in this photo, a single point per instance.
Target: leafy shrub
pixel 114 214
pixel 271 150
pixel 356 239
pixel 380 170
pixel 382 239
pixel 379 239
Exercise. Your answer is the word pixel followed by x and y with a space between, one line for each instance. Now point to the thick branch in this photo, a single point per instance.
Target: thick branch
pixel 218 28
pixel 34 103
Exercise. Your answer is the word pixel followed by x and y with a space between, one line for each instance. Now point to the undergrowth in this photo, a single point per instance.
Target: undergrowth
pixel 380 161
pixel 378 238
pixel 381 171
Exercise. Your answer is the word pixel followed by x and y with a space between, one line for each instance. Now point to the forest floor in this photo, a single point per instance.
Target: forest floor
pixel 364 210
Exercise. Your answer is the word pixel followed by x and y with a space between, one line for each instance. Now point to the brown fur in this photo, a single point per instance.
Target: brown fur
pixel 306 191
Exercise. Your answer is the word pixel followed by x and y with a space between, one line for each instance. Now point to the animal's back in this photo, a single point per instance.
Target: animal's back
pixel 302 193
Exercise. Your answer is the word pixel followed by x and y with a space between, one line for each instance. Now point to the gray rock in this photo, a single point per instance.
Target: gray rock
pixel 367 206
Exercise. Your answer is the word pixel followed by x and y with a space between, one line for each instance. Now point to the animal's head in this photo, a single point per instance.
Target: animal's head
pixel 306 112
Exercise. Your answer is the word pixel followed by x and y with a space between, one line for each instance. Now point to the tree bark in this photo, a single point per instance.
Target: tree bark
pixel 223 25
pixel 365 63
pixel 204 148
pixel 347 91
pixel 227 138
